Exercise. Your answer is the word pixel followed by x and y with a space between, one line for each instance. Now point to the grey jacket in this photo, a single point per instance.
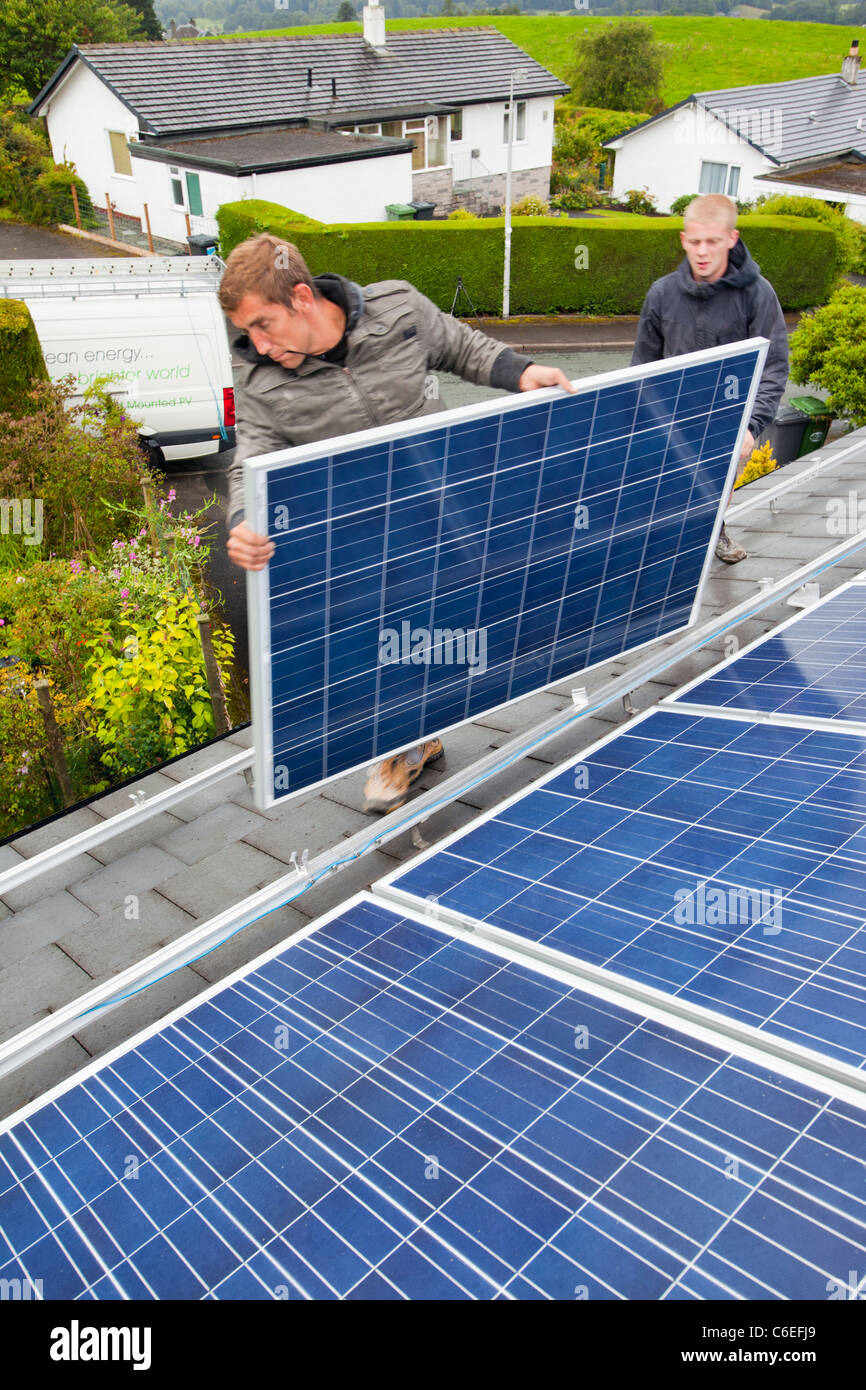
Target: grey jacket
pixel 681 314
pixel 395 338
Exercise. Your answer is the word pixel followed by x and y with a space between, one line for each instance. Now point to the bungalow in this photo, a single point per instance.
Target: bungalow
pixel 807 136
pixel 334 126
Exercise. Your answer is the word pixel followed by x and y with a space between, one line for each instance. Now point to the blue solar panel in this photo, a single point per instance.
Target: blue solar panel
pixel 381 1111
pixel 813 667
pixel 716 860
pixel 427 572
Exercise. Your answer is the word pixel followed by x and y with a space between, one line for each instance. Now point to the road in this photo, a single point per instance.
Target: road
pixel 22 243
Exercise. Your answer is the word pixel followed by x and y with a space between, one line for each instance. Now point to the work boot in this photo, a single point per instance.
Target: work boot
pixel 388 784
pixel 728 550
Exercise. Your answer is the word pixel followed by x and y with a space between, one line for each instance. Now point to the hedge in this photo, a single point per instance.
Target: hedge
pixel 621 257
pixel 20 357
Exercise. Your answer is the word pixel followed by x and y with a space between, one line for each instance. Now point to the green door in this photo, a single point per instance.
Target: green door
pixel 193 194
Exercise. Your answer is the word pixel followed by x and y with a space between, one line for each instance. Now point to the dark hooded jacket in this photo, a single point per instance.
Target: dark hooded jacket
pixel 681 314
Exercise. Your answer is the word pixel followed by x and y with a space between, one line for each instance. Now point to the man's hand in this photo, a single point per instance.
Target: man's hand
pixel 536 376
pixel 748 446
pixel 247 549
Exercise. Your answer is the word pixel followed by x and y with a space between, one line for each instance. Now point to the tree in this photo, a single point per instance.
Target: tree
pixel 345 13
pixel 147 20
pixel 620 67
pixel 36 34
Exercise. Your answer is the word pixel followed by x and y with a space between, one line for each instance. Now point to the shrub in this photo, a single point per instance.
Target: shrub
pixel 679 205
pixel 239 221
pixel 151 692
pixel 462 215
pixel 21 360
pixel 849 237
pixel 530 206
pixel 640 200
pixel 759 462
pixel 81 461
pixel 625 255
pixel 828 349
pixel 32 186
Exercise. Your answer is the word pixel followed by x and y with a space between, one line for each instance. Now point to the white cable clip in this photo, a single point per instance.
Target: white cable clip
pixel 765 584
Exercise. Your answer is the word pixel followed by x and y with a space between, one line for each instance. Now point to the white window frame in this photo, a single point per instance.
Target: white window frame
pixel 730 180
pixel 519 124
pixel 175 175
pixel 115 173
pixel 415 125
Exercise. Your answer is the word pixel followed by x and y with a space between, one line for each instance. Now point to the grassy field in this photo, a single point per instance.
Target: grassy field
pixel 703 53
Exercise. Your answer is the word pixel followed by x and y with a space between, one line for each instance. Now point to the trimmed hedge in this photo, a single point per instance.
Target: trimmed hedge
pixel 622 256
pixel 21 357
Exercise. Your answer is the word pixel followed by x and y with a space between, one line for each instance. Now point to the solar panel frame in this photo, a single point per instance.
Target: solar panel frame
pixel 390 888
pixel 685 1171
pixel 258 584
pixel 762 709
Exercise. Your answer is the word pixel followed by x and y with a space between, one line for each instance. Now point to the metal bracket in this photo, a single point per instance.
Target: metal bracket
pixel 579 697
pixel 299 868
pixel 765 584
pixel 805 597
pixel 627 704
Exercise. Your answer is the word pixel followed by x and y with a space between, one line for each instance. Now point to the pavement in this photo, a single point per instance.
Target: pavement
pixel 82 922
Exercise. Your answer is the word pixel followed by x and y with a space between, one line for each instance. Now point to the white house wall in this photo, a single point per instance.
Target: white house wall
pixel 666 157
pixel 354 191
pixel 483 127
pixel 153 186
pixel 80 114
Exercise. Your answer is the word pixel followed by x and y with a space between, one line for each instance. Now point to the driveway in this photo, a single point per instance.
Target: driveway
pixel 20 242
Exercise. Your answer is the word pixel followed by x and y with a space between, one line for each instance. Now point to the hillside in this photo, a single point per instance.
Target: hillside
pixel 704 53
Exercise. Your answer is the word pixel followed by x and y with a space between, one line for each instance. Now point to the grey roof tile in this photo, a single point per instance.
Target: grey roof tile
pixel 808 118
pixel 225 84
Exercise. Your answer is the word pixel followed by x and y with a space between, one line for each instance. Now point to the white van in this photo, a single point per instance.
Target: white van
pixel 154 325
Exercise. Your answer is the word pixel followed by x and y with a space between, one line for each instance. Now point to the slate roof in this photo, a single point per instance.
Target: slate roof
pixel 842 176
pixel 807 118
pixel 226 84
pixel 261 150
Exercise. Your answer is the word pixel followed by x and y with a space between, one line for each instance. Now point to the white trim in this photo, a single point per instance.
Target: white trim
pixel 258 586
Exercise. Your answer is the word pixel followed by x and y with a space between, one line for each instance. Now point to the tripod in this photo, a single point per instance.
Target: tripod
pixel 461 289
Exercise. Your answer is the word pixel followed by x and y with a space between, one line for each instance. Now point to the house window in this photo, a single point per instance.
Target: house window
pixel 429 135
pixel 719 178
pixel 119 153
pixel 176 188
pixel 519 122
pixel 456 126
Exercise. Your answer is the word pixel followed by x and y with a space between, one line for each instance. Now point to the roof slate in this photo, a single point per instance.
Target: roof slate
pixel 808 118
pixel 224 84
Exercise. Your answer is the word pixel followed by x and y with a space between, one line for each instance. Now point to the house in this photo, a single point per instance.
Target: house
pixel 807 136
pixel 333 126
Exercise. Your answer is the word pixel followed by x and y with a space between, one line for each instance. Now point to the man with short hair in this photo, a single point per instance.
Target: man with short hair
pixel 327 357
pixel 717 295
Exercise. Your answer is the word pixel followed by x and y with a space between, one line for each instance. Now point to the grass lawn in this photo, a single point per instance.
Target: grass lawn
pixel 703 53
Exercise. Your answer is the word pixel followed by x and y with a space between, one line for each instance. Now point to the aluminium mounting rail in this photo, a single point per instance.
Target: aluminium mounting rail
pixel 205 937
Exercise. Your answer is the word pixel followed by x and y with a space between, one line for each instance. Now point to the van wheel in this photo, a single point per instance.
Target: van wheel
pixel 153 455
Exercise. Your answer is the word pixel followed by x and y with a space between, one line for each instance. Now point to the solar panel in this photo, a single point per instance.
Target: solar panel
pixel 716 860
pixel 429 571
pixel 811 667
pixel 381 1111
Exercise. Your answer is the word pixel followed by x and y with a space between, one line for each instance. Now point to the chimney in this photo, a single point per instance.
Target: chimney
pixel 374 25
pixel 851 65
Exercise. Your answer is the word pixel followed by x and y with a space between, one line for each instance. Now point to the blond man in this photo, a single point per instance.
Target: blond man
pixel 717 295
